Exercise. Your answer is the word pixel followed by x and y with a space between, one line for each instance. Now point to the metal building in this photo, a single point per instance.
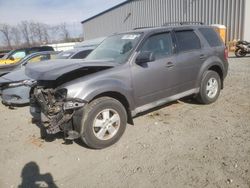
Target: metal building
pixel 143 13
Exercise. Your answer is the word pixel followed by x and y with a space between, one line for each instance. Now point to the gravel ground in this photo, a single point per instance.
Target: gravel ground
pixel 180 145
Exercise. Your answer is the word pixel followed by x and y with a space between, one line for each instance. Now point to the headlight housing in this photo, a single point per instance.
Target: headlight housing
pixel 68 104
pixel 73 104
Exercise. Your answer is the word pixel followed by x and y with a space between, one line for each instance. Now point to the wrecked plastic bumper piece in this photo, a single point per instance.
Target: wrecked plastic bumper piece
pixel 73 104
pixel 57 111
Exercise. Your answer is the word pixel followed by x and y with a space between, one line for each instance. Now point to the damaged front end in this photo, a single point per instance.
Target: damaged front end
pixel 57 111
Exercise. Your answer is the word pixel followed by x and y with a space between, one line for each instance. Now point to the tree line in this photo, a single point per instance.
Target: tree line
pixel 30 33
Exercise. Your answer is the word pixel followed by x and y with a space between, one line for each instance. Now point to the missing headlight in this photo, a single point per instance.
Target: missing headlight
pixel 61 94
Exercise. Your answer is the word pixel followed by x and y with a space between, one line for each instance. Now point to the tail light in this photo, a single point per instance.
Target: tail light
pixel 226 53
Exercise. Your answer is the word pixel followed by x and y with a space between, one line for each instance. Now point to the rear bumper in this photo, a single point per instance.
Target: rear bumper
pixel 226 65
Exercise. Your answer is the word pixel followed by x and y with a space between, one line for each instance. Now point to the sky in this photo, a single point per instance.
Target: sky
pixel 52 11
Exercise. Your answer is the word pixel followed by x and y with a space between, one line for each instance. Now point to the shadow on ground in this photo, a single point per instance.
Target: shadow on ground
pixel 31 177
pixel 50 138
pixel 189 100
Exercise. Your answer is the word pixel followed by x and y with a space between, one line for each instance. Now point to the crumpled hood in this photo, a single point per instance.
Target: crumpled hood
pixel 53 69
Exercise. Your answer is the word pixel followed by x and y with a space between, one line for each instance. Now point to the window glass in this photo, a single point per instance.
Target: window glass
pixel 53 56
pixel 116 48
pixel 39 58
pixel 211 36
pixel 160 45
pixel 82 54
pixel 31 51
pixel 19 55
pixel 64 55
pixel 187 40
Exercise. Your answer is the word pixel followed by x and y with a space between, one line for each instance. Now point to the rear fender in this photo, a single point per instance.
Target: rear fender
pixel 213 61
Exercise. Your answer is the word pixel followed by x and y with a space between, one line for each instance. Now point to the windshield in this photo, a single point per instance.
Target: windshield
pixel 116 48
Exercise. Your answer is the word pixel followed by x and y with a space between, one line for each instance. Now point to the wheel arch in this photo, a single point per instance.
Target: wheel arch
pixel 121 98
pixel 213 66
pixel 77 118
pixel 218 69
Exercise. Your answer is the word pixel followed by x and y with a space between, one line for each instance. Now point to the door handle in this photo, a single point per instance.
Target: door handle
pixel 169 64
pixel 202 56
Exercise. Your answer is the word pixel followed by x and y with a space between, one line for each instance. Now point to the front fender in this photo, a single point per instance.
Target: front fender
pixel 88 92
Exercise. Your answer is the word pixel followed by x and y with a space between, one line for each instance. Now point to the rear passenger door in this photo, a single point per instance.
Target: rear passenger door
pixel 189 59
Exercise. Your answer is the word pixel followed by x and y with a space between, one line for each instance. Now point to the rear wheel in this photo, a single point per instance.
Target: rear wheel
pixel 104 122
pixel 210 87
pixel 240 53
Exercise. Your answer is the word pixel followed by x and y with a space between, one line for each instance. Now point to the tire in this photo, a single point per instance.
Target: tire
pixel 99 131
pixel 239 53
pixel 210 87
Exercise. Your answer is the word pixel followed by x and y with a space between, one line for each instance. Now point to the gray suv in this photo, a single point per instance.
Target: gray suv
pixel 128 73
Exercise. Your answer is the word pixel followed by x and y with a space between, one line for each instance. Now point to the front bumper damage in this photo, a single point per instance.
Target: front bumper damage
pixel 56 111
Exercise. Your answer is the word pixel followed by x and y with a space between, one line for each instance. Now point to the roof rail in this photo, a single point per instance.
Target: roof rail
pixel 182 23
pixel 142 28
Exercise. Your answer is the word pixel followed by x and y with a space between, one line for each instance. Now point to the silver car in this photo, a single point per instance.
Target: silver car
pixel 15 86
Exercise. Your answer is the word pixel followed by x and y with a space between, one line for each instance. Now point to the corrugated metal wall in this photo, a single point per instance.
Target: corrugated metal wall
pixel 141 13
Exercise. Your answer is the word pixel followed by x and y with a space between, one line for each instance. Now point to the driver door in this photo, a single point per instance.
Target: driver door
pixel 153 80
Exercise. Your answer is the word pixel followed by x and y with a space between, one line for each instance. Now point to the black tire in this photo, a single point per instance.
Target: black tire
pixel 239 53
pixel 203 96
pixel 90 114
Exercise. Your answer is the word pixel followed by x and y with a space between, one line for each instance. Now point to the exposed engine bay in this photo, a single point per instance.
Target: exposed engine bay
pixel 54 107
pixel 56 110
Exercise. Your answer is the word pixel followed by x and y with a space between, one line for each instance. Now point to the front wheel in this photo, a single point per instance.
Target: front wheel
pixel 210 87
pixel 104 122
pixel 240 53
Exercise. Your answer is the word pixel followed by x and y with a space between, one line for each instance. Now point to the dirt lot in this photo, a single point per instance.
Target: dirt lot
pixel 181 145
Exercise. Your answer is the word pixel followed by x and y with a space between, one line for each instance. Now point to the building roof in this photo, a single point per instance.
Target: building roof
pixel 125 2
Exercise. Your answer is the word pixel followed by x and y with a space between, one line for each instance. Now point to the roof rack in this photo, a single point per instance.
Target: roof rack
pixel 182 23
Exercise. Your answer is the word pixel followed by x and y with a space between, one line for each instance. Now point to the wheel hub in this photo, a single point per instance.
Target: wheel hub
pixel 106 124
pixel 212 88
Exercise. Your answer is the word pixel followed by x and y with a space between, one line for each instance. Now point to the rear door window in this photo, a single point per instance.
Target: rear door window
pixel 187 40
pixel 211 36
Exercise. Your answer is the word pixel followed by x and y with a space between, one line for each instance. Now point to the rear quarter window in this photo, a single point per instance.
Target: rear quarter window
pixel 187 40
pixel 211 36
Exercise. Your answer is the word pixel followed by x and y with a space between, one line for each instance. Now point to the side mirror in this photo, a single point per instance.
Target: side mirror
pixel 12 58
pixel 145 57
